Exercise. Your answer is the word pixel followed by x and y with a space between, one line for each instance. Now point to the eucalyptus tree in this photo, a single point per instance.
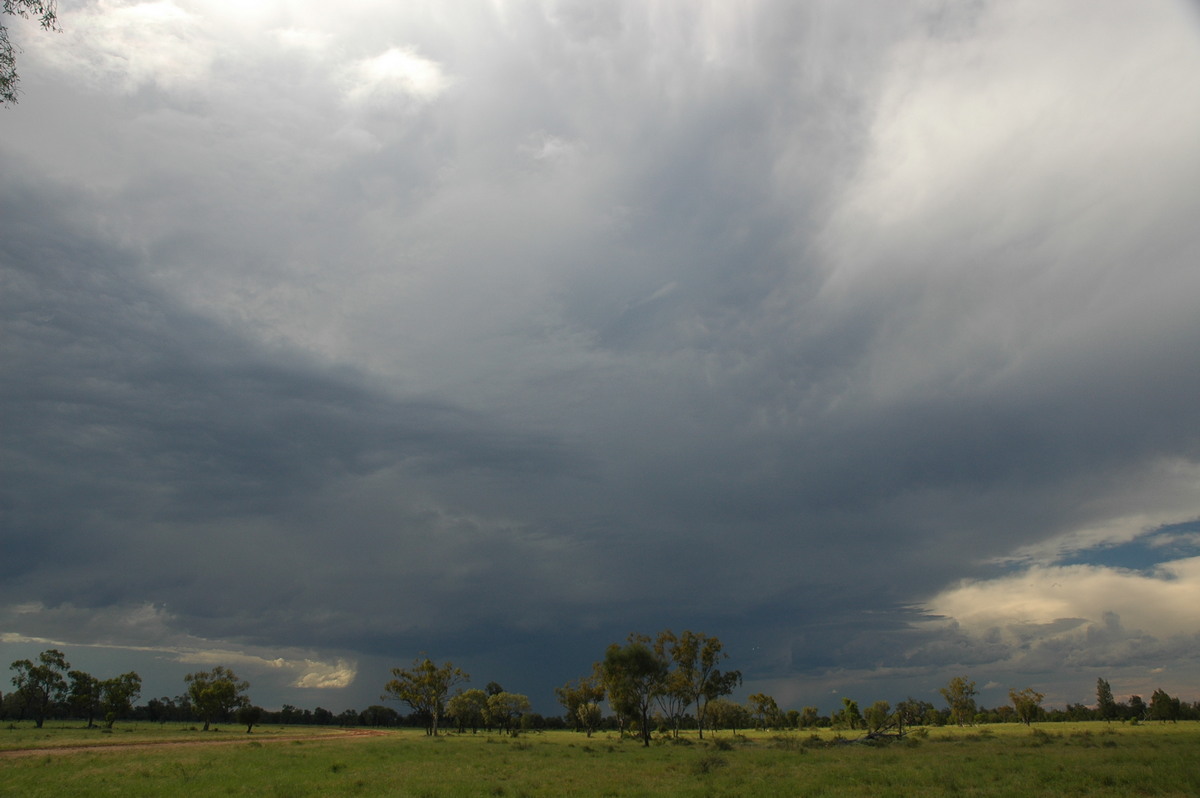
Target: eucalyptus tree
pixel 46 12
pixel 505 709
pixel 764 709
pixel 695 678
pixel 119 693
pixel 249 715
pixel 1163 707
pixel 1026 703
pixel 214 694
pixel 634 676
pixel 725 714
pixel 468 708
pixel 42 684
pixel 849 716
pixel 879 716
pixel 581 699
pixel 424 688
pixel 84 696
pixel 960 697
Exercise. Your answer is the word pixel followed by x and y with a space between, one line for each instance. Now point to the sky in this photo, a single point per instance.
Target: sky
pixel 863 336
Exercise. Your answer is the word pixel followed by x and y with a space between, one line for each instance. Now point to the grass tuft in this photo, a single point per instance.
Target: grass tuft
pixel 707 764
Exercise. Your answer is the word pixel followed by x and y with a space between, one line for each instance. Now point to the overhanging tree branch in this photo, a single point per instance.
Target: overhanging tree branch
pixel 46 13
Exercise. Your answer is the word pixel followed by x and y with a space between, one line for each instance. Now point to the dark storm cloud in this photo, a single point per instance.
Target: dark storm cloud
pixel 502 331
pixel 135 414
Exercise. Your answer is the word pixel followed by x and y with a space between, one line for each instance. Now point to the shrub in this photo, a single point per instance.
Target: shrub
pixel 707 764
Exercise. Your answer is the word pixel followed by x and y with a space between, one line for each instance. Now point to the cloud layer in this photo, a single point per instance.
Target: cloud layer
pixel 501 330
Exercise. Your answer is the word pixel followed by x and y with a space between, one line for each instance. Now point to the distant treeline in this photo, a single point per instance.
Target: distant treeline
pixel 740 717
pixel 647 684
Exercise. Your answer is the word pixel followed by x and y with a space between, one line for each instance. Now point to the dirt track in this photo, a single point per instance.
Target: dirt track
pixel 340 734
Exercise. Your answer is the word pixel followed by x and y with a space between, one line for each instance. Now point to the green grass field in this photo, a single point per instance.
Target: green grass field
pixel 1085 759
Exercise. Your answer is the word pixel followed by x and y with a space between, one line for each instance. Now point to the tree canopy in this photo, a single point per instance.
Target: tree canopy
pixel 424 688
pixel 696 678
pixel 118 695
pixel 46 12
pixel 1026 703
pixel 505 709
pixel 43 683
pixel 1106 705
pixel 634 675
pixel 581 699
pixel 215 694
pixel 468 708
pixel 960 697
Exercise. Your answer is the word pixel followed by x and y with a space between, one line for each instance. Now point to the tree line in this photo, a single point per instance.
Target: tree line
pixel 673 682
pixel 662 684
pixel 50 687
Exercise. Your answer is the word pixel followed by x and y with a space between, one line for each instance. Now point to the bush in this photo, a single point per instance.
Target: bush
pixel 707 764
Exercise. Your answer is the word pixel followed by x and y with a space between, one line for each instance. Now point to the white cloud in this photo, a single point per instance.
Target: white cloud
pixel 305 673
pixel 396 73
pixel 124 46
pixel 304 39
pixel 1163 603
pixel 323 675
pixel 546 147
pixel 1013 178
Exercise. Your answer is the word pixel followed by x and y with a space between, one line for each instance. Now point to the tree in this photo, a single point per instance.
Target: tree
pixel 911 712
pixel 589 716
pixel 118 695
pixel 848 716
pixel 675 696
pixel 725 714
pixel 505 709
pixel 1137 707
pixel 696 679
pixel 1026 703
pixel 581 700
pixel 468 709
pixel 1106 705
pixel 84 696
pixel 424 688
pixel 634 675
pixel 215 694
pixel 41 685
pixel 1163 707
pixel 878 716
pixel 376 715
pixel 46 13
pixel 960 697
pixel 248 715
pixel 764 709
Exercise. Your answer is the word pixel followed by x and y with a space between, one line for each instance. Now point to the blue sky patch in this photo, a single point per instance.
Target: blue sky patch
pixel 1171 542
